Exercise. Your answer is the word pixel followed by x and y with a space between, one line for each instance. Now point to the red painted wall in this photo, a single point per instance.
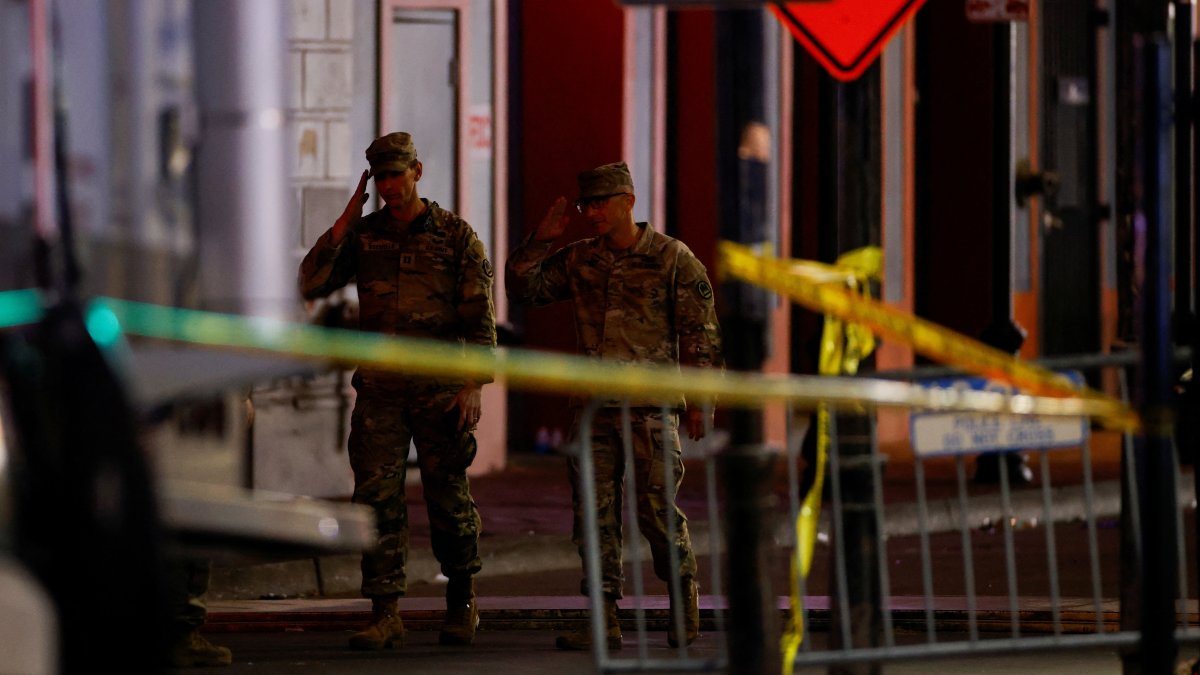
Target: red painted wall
pixel 693 206
pixel 954 188
pixel 572 61
pixel 806 200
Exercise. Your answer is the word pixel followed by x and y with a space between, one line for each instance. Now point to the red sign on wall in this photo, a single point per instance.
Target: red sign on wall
pixel 845 36
pixel 992 11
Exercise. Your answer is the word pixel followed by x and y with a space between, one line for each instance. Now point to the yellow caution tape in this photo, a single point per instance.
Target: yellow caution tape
pixel 564 373
pixel 806 538
pixel 843 346
pixel 927 338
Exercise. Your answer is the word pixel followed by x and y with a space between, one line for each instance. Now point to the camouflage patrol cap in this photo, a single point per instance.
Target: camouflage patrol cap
pixel 393 152
pixel 604 180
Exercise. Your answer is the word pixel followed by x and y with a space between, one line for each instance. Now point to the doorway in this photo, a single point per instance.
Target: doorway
pixel 422 77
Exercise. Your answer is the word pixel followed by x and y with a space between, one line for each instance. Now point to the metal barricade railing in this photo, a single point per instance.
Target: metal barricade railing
pixel 974 629
pixel 936 643
pixel 682 660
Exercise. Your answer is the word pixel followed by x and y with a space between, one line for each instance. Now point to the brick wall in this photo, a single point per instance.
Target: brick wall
pixel 322 70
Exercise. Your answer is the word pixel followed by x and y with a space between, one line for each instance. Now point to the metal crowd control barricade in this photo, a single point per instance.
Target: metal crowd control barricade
pixel 912 628
pixel 681 660
pixel 983 634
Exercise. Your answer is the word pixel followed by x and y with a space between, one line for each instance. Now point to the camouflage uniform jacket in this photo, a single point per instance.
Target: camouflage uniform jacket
pixel 431 279
pixel 651 303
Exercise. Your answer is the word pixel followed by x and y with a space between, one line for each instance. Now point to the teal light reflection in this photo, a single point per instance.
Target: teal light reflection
pixel 102 325
pixel 19 308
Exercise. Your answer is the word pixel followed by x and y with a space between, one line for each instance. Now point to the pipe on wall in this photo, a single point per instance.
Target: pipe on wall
pixel 244 220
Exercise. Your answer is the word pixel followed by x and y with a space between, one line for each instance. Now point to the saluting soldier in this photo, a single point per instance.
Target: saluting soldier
pixel 422 272
pixel 639 297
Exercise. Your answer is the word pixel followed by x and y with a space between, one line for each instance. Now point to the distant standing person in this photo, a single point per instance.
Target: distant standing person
pixel 639 297
pixel 421 272
pixel 187 598
pixel 187 590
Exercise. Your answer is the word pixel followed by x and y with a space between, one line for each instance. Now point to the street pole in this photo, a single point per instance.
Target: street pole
pixel 1122 28
pixel 743 157
pixel 1159 552
pixel 1182 169
pixel 854 214
pixel 246 228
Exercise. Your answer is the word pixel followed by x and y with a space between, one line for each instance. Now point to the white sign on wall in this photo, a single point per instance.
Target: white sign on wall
pixel 969 433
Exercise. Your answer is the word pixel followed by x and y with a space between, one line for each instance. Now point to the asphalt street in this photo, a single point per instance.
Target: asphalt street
pixel 523 651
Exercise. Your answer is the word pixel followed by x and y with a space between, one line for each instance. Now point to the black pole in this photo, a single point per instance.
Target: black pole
pixel 854 161
pixel 1182 48
pixel 1122 28
pixel 751 637
pixel 1159 551
pixel 1185 240
pixel 1192 110
pixel 1189 418
pixel 745 465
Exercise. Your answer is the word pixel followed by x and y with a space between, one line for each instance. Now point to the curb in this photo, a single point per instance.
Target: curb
pixel 1075 616
pixel 339 575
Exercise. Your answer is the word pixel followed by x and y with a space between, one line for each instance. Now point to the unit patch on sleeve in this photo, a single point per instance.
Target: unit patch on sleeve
pixel 704 289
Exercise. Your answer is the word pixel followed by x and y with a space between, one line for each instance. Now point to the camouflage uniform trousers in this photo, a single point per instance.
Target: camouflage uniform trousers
pixel 186 590
pixel 650 430
pixel 384 420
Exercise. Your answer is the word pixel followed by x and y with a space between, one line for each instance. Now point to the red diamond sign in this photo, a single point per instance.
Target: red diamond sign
pixel 845 36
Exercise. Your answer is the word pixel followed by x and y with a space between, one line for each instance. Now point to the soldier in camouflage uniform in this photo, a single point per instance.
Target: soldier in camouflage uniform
pixel 421 272
pixel 639 297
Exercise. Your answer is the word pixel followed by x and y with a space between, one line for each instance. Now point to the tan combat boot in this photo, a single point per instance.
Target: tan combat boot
pixel 193 650
pixel 581 638
pixel 462 612
pixel 385 630
pixel 691 614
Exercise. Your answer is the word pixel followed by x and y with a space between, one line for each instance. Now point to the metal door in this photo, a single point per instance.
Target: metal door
pixel 1070 265
pixel 420 83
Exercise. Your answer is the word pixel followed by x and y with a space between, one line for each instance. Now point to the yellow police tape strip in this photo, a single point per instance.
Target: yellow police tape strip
pixel 561 372
pixel 806 537
pixel 927 338
pixel 843 347
pixel 841 291
pixel 548 371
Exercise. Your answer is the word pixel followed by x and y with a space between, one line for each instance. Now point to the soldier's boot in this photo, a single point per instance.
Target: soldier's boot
pixel 462 612
pixel 385 630
pixel 691 614
pixel 581 638
pixel 194 650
